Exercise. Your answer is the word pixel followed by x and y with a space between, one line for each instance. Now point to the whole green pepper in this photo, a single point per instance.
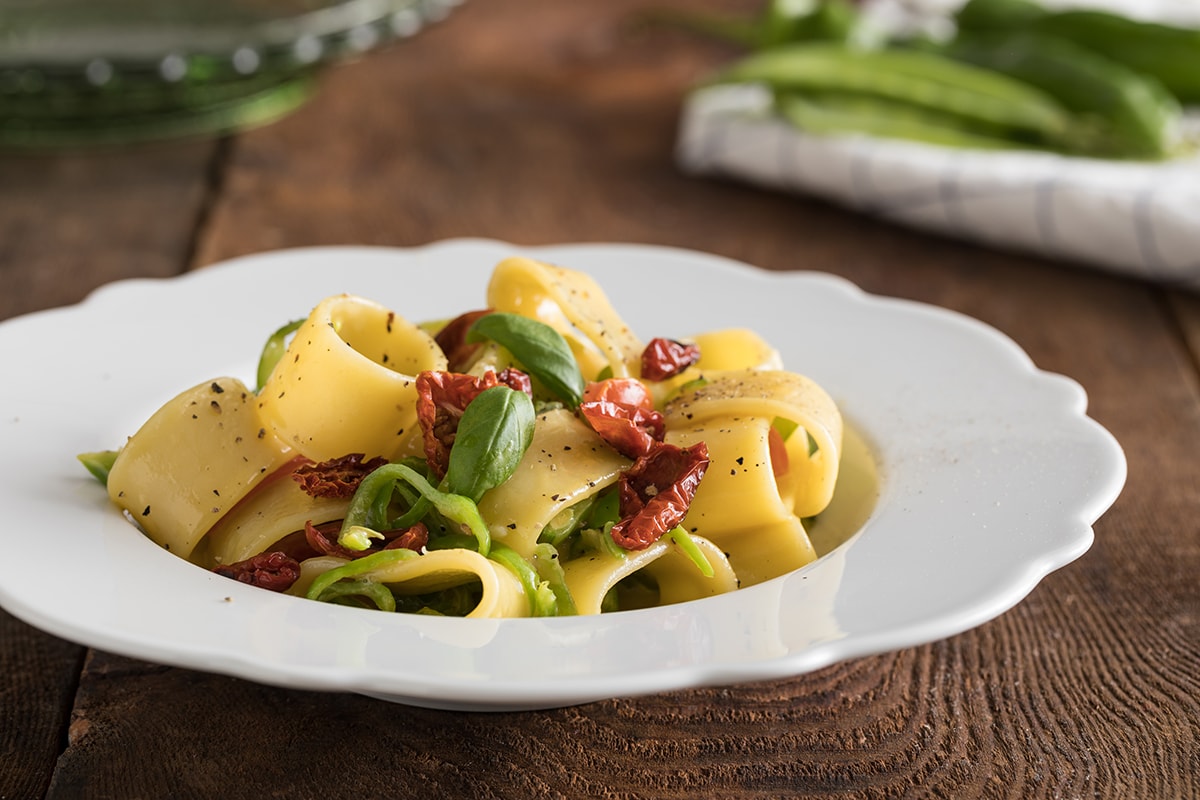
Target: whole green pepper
pixel 1167 53
pixel 920 79
pixel 1123 114
pixel 833 113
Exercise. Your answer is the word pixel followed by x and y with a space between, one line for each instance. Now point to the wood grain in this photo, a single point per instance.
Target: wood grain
pixel 538 121
pixel 70 222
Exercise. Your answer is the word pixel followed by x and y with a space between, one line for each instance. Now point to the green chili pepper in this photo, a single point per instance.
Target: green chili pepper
pixel 356 568
pixel 874 116
pixel 780 22
pixel 548 564
pixel 493 434
pixel 377 594
pixel 1122 114
pixel 1166 53
pixel 537 347
pixel 368 507
pixel 542 599
pixel 917 78
pixel 273 350
pixel 685 541
pixel 99 464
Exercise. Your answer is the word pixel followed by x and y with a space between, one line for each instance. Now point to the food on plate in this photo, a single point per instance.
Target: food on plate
pixel 532 457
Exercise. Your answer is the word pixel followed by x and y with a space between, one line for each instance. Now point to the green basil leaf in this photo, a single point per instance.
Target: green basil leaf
pixel 493 434
pixel 537 347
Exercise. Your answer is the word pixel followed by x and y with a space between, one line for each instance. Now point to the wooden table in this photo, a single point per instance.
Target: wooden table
pixel 539 121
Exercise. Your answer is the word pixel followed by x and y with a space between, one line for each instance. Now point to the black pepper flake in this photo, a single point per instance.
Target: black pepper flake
pixel 733 472
pixel 216 387
pixel 555 497
pixel 566 447
pixel 215 406
pixel 512 526
pixel 741 460
pixel 391 317
pixel 217 492
pixel 194 416
pixel 262 432
pixel 146 511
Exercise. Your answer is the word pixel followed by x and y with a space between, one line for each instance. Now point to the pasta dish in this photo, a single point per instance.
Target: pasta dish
pixel 534 457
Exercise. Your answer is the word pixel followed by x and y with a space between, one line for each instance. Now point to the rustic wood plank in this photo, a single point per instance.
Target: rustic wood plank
pixel 69 223
pixel 72 222
pixel 41 673
pixel 1086 689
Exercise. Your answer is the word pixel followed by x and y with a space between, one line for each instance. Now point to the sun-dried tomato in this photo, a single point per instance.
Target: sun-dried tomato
pixel 442 397
pixel 622 412
pixel 453 339
pixel 656 493
pixel 414 538
pixel 665 358
pixel 323 539
pixel 338 477
pixel 274 571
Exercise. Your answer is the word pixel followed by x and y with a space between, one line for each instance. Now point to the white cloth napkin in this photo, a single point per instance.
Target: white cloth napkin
pixel 1140 219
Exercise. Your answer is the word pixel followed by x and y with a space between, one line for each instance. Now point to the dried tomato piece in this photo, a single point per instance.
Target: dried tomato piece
pixel 338 477
pixel 414 538
pixel 273 571
pixel 442 397
pixel 656 493
pixel 323 539
pixel 622 412
pixel 453 339
pixel 665 358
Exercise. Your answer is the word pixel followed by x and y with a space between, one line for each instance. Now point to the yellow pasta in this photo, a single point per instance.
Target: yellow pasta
pixel 346 384
pixel 574 305
pixel 672 576
pixel 192 461
pixel 566 464
pixel 750 503
pixel 567 468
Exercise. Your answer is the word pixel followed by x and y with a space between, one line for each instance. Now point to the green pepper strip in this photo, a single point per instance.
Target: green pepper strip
pixel 368 507
pixel 355 568
pixel 542 598
pixel 273 350
pixel 377 593
pixel 685 541
pixel 99 464
pixel 549 567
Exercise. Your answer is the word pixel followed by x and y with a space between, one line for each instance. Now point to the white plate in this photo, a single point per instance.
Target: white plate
pixel 991 476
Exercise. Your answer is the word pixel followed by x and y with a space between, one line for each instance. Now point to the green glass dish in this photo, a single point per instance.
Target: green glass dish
pixel 90 72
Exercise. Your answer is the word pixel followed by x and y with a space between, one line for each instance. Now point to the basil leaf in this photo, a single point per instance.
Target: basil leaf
pixel 494 432
pixel 537 347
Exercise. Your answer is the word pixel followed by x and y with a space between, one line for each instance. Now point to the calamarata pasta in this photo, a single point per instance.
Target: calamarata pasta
pixel 533 457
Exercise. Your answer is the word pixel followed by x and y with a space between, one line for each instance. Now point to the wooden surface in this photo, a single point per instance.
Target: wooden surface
pixel 540 121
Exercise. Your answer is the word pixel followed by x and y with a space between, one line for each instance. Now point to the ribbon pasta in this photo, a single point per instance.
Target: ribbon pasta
pixel 754 496
pixel 209 476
